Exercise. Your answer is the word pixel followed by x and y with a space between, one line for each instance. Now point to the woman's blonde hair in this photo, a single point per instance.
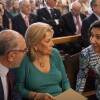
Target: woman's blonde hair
pixel 34 34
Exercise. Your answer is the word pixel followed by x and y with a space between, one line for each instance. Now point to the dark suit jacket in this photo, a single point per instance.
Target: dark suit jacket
pixel 15 93
pixel 68 25
pixel 85 26
pixel 44 16
pixel 18 23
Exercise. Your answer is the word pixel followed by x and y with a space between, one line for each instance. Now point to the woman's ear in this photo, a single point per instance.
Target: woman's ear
pixel 35 47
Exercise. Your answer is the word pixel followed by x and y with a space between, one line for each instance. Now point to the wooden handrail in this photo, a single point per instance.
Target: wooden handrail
pixel 89 93
pixel 66 39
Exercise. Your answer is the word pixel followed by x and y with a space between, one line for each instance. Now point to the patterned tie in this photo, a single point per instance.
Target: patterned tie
pixel 27 21
pixel 52 13
pixel 78 24
pixel 9 81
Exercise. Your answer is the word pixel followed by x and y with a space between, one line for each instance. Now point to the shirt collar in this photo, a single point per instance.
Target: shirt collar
pixel 3 70
pixel 23 15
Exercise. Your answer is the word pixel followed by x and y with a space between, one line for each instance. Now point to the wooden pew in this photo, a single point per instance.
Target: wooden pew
pixel 66 39
pixel 72 68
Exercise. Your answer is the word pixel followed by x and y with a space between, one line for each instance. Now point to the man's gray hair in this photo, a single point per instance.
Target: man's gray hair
pixel 8 41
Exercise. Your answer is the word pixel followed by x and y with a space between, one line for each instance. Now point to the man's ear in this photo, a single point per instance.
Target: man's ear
pixel 11 56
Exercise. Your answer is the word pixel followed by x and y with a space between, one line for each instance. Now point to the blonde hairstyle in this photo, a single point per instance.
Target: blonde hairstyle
pixel 34 34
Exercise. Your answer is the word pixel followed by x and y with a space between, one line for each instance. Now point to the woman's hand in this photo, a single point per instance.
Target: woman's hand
pixel 44 96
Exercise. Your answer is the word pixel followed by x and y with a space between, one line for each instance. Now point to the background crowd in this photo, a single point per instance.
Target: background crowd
pixel 38 21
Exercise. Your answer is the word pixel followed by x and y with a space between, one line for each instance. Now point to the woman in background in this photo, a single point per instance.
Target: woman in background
pixel 15 8
pixel 6 21
pixel 41 74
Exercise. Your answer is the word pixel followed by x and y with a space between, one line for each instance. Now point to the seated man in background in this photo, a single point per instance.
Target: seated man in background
pixel 50 15
pixel 71 25
pixel 89 20
pixel 21 22
pixel 12 51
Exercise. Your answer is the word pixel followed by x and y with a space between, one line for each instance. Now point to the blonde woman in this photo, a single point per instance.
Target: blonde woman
pixel 41 75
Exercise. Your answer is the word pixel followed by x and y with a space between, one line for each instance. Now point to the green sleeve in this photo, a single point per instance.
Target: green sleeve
pixel 20 76
pixel 65 81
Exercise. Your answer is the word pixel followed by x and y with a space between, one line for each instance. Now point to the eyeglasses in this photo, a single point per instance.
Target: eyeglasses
pixel 24 51
pixel 96 5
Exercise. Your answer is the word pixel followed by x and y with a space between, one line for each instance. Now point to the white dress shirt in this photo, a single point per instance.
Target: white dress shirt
pixel 3 75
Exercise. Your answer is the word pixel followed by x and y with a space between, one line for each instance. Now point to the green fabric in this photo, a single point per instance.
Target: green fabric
pixel 14 13
pixel 29 78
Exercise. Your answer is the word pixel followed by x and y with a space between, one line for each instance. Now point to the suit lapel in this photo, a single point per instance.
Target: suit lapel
pixel 94 18
pixel 72 23
pixel 46 12
pixel 22 22
pixel 1 91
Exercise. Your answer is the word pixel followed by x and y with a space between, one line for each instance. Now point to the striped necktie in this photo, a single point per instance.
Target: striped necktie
pixel 9 81
pixel 52 13
pixel 78 24
pixel 27 21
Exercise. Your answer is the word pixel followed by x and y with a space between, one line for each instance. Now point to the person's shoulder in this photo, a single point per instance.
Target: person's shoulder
pixel 42 9
pixel 87 50
pixel 55 51
pixel 91 18
pixel 26 58
pixel 17 17
pixel 33 15
pixel 67 15
pixel 84 15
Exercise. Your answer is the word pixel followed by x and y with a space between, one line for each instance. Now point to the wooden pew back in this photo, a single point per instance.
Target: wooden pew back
pixel 72 69
pixel 66 39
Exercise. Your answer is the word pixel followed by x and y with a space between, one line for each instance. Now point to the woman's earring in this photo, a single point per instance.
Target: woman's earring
pixel 36 49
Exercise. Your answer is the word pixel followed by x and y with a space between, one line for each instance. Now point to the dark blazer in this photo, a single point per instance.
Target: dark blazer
pixel 68 25
pixel 69 28
pixel 15 93
pixel 44 16
pixel 85 26
pixel 18 23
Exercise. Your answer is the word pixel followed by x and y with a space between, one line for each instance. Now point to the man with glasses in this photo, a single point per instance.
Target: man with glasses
pixel 12 51
pixel 95 5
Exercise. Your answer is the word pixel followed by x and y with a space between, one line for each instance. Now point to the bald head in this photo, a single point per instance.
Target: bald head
pixel 25 7
pixel 24 2
pixel 76 8
pixel 76 4
pixel 9 40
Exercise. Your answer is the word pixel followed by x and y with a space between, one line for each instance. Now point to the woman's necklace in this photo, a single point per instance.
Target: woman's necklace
pixel 41 63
